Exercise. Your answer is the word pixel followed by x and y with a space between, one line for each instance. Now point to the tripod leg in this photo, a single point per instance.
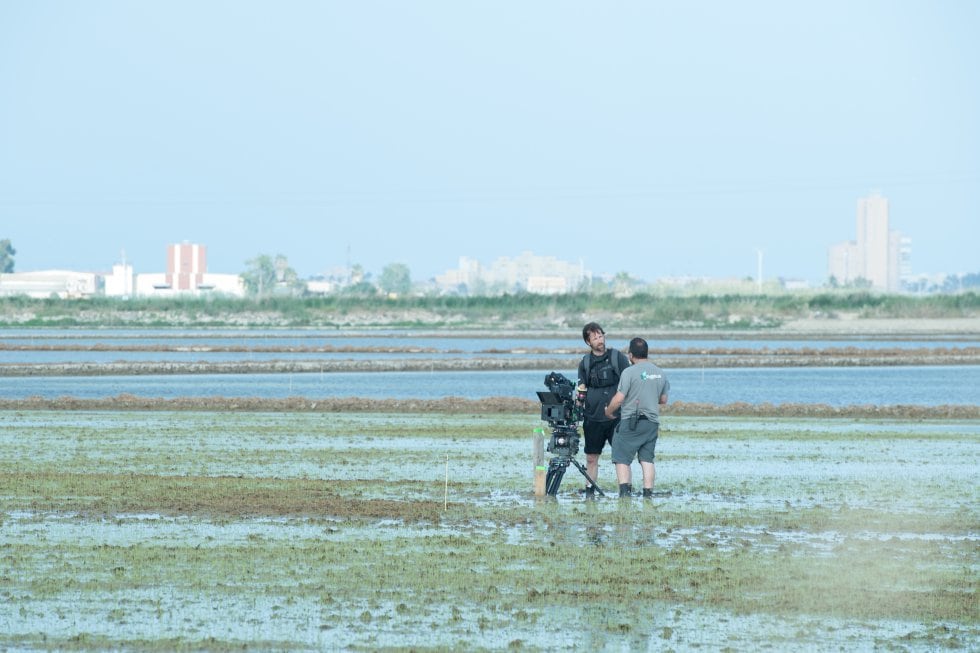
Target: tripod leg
pixel 553 479
pixel 587 477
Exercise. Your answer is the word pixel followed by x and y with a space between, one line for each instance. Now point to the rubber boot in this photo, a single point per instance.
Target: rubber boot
pixel 625 490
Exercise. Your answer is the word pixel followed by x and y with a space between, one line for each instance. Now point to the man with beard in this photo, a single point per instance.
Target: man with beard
pixel 599 373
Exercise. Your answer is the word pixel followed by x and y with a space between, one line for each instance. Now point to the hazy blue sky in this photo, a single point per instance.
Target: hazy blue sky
pixel 655 138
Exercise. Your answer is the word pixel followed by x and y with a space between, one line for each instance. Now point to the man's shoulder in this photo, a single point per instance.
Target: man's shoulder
pixel 590 357
pixel 632 370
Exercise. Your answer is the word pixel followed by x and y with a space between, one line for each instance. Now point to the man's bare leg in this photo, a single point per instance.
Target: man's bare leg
pixel 649 475
pixel 592 466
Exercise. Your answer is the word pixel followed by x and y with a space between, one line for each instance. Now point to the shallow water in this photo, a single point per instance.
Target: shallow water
pixel 820 491
pixel 379 623
pixel 448 341
pixel 833 386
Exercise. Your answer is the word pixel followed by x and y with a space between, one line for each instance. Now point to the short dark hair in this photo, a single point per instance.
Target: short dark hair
pixel 639 348
pixel 589 329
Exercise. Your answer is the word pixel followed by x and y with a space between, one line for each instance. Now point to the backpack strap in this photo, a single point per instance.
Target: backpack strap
pixel 614 358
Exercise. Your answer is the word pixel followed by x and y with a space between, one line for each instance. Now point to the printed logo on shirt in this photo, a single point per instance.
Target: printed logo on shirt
pixel 644 376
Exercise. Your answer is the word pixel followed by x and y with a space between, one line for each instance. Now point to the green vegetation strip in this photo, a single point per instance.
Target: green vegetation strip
pixel 643 309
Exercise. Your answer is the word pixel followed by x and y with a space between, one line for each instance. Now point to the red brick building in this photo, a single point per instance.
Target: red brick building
pixel 186 266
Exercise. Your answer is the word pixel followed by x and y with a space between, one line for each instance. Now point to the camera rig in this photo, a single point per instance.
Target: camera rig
pixel 561 408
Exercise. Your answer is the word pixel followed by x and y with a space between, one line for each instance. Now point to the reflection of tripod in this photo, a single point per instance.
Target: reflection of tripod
pixel 564 444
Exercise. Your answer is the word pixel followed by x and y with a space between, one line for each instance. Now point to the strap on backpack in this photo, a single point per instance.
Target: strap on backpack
pixel 614 355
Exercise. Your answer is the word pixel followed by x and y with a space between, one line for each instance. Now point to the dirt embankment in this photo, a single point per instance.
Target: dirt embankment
pixel 489 406
pixel 671 358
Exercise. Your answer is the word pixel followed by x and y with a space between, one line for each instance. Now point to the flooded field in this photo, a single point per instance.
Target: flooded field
pixel 200 530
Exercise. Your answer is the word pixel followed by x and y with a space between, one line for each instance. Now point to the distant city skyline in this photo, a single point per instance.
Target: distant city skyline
pixel 152 260
pixel 878 255
pixel 655 139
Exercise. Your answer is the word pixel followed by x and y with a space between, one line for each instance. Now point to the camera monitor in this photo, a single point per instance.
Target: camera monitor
pixel 552 407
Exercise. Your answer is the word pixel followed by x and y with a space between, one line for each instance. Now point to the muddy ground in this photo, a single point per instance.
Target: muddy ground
pixel 460 406
pixel 292 532
pixel 673 358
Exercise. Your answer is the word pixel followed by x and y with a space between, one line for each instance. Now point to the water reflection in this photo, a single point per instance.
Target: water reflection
pixel 892 385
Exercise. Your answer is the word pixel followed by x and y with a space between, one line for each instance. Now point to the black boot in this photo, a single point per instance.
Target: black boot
pixel 648 493
pixel 625 490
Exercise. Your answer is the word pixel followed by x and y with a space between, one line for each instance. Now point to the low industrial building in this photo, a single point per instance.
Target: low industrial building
pixel 64 284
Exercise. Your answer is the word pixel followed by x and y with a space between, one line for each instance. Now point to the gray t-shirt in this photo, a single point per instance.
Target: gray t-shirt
pixel 642 383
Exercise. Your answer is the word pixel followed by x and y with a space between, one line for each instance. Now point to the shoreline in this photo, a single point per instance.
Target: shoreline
pixel 488 406
pixel 840 326
pixel 671 359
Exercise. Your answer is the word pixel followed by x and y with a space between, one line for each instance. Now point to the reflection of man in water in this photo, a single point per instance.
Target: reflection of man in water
pixel 643 388
pixel 599 372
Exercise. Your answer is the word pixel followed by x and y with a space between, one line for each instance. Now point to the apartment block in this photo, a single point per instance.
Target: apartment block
pixel 878 255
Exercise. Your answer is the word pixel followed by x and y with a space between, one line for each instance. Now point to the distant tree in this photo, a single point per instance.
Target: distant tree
pixel 952 283
pixel 285 275
pixel 356 274
pixel 361 289
pixel 395 279
pixel 260 277
pixel 860 283
pixel 623 284
pixel 478 288
pixel 267 275
pixel 7 253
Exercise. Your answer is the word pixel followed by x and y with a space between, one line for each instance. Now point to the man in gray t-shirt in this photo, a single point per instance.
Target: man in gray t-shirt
pixel 643 388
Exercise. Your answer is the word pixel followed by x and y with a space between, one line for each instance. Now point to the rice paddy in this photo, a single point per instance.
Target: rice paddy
pixel 198 530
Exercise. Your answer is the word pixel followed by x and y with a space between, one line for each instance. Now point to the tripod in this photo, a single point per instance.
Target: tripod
pixel 564 444
pixel 556 471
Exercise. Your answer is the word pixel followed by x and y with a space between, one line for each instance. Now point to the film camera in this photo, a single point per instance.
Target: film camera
pixel 561 407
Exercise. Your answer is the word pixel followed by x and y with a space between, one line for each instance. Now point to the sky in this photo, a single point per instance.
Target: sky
pixel 653 138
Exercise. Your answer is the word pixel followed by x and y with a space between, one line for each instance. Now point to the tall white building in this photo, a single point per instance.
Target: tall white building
pixel 879 255
pixel 121 283
pixel 467 274
pixel 873 239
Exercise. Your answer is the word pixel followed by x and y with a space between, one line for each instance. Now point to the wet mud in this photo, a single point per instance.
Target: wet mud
pixel 673 358
pixel 287 531
pixel 461 406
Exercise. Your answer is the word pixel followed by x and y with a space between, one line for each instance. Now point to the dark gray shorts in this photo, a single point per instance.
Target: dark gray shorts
pixel 640 443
